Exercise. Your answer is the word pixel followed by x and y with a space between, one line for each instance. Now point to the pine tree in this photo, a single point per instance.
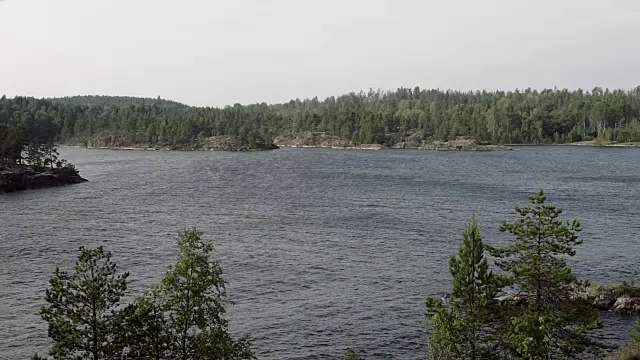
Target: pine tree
pixel 465 328
pixel 142 328
pixel 192 294
pixel 351 355
pixel 551 322
pixel 82 307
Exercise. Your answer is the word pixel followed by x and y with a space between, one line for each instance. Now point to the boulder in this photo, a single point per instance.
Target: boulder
pixel 627 305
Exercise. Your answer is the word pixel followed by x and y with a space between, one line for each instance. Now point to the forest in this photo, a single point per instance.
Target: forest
pixel 406 116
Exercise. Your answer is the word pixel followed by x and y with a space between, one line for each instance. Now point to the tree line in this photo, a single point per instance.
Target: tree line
pixel 375 117
pixel 27 134
pixel 527 310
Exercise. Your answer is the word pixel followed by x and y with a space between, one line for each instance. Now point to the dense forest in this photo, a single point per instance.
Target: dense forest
pixel 29 131
pixel 405 117
pixel 98 100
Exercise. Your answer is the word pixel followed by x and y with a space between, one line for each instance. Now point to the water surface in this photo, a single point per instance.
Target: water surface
pixel 323 249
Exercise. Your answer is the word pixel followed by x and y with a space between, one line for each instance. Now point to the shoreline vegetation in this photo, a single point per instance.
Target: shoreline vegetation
pixel 324 140
pixel 404 118
pixel 213 143
pixel 459 144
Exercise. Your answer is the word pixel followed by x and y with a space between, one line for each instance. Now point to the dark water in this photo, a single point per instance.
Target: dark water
pixel 324 250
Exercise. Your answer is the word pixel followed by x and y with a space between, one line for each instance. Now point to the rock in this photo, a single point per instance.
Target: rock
pixel 512 297
pixel 312 139
pixel 464 144
pixel 622 299
pixel 23 178
pixel 627 305
pixel 601 296
pixel 361 147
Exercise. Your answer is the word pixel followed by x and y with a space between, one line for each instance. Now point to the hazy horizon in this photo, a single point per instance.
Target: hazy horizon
pixel 218 53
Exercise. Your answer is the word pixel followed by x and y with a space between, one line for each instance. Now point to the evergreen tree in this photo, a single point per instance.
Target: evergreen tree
pixel 192 294
pixel 142 329
pixel 351 355
pixel 551 322
pixel 466 327
pixel 83 306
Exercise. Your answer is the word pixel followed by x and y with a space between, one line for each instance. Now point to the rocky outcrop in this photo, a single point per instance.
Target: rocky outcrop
pixel 23 178
pixel 621 299
pixel 360 147
pixel 313 139
pixel 231 143
pixel 464 144
pixel 627 305
pixel 212 143
pixel 460 143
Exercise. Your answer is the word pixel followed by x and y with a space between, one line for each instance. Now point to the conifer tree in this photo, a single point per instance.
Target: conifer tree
pixel 465 327
pixel 351 355
pixel 142 329
pixel 192 294
pixel 550 322
pixel 82 307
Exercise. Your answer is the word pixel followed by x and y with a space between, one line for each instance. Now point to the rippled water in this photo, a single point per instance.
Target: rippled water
pixel 324 249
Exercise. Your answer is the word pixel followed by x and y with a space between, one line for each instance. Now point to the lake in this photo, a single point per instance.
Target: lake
pixel 324 250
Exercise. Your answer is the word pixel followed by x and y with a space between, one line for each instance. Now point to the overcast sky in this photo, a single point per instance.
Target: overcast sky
pixel 208 52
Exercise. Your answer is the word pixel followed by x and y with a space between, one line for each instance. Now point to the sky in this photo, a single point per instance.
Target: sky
pixel 216 53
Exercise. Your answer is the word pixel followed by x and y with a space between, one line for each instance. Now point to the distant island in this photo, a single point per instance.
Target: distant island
pixel 405 118
pixel 28 155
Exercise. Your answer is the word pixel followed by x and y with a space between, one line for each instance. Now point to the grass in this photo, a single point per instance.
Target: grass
pixel 628 353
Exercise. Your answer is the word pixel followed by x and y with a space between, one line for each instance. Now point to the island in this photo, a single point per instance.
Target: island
pixel 28 155
pixel 23 177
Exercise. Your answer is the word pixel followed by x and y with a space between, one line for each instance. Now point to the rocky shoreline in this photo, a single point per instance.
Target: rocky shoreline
pixel 212 143
pixel 595 143
pixel 621 299
pixel 323 146
pixel 266 147
pixel 323 140
pixel 24 177
pixel 466 145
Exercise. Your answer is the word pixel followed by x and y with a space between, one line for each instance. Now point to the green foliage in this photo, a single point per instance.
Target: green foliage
pixel 182 318
pixel 351 355
pixel 549 322
pixel 101 100
pixel 28 131
pixel 631 351
pixel 527 116
pixel 192 297
pixel 143 328
pixel 635 334
pixel 466 327
pixel 83 306
pixel 444 337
